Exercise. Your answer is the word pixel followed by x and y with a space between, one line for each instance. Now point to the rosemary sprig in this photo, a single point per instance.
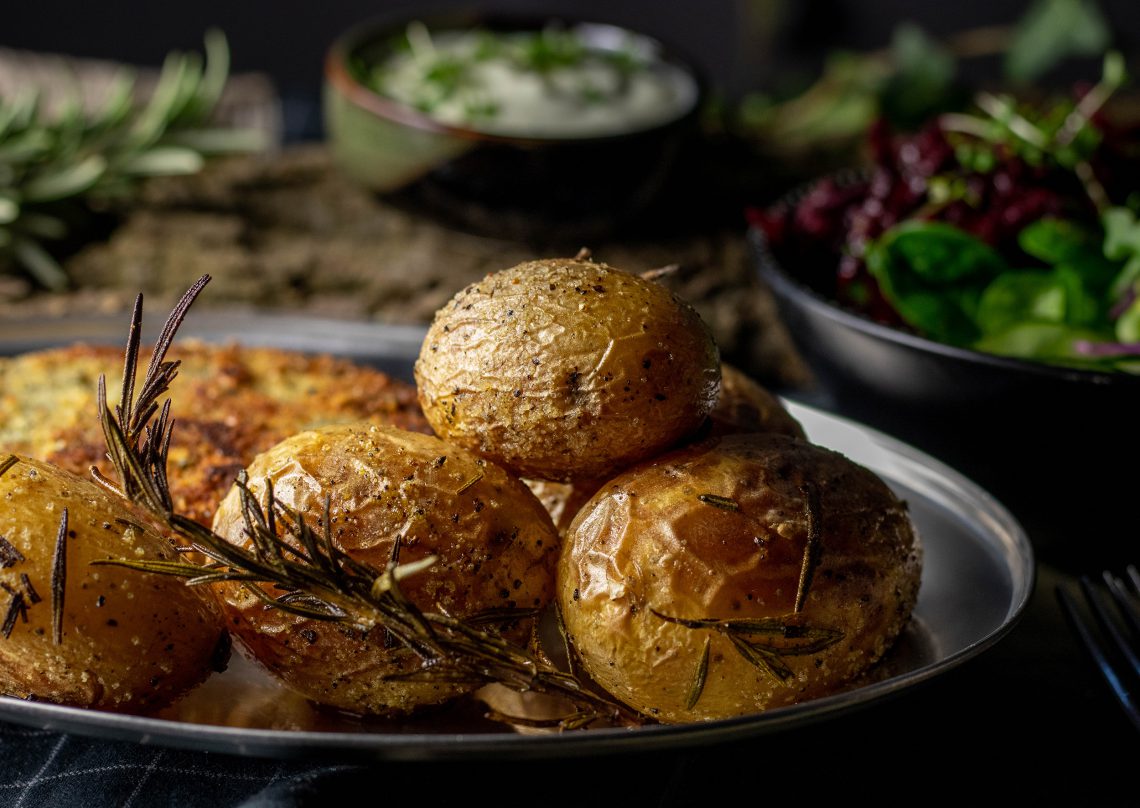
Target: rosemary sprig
pixel 699 678
pixel 59 579
pixel 762 641
pixel 318 580
pixel 55 171
pixel 724 503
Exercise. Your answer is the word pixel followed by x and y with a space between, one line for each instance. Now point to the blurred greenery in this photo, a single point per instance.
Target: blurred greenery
pixel 823 126
pixel 55 168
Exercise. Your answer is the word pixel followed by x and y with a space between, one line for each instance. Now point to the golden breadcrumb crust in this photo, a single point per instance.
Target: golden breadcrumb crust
pixel 229 403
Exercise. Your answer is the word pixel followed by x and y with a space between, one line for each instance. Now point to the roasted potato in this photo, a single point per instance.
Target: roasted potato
pixel 562 500
pixel 495 545
pixel 744 405
pixel 566 369
pixel 131 641
pixel 706 546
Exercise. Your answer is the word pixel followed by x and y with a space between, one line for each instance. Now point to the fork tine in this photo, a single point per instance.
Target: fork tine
pixel 1134 576
pixel 1107 623
pixel 1099 655
pixel 1126 605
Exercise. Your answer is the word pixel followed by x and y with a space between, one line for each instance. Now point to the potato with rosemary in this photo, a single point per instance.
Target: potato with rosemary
pixel 567 369
pixel 81 633
pixel 739 574
pixel 494 544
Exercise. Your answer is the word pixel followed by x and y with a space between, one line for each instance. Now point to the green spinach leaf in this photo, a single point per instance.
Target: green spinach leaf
pixel 934 275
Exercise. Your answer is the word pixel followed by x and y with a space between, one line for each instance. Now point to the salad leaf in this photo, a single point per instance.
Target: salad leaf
pixel 924 81
pixel 1122 243
pixel 1049 342
pixel 934 275
pixel 1052 31
pixel 941 253
pixel 1058 296
pixel 1128 324
pixel 954 288
pixel 1061 241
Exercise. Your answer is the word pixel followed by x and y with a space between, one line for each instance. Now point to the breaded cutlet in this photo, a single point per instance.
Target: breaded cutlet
pixel 229 403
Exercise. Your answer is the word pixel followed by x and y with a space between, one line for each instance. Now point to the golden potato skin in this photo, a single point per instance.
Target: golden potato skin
pixel 648 542
pixel 495 544
pixel 562 500
pixel 566 369
pixel 744 405
pixel 132 641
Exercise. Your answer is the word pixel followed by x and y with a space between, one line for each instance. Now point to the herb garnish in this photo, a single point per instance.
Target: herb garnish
pixel 812 547
pixel 724 503
pixel 467 76
pixel 763 641
pixel 55 171
pixel 59 579
pixel 699 678
pixel 9 554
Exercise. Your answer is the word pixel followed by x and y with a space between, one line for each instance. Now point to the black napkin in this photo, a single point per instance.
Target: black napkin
pixel 42 769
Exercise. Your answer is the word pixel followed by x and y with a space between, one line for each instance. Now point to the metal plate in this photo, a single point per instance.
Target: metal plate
pixel 977 579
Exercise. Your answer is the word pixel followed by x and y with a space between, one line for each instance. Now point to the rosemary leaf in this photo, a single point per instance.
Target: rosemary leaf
pixel 64 182
pixel 9 210
pixel 9 554
pixel 59 579
pixel 724 503
pixel 699 678
pixel 33 595
pixel 16 608
pixel 178 568
pixel 467 485
pixel 812 546
pixel 7 463
pixel 761 658
pixel 164 161
pixel 38 263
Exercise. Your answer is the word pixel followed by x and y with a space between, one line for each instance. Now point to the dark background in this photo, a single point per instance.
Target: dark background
pixel 741 44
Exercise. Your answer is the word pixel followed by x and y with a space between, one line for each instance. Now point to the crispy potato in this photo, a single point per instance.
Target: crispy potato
pixel 495 545
pixel 718 531
pixel 744 405
pixel 132 641
pixel 562 500
pixel 567 369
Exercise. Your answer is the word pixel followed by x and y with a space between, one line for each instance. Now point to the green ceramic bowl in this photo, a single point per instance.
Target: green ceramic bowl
pixel 577 185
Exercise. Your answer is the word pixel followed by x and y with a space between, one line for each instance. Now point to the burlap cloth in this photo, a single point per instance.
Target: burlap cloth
pixel 288 231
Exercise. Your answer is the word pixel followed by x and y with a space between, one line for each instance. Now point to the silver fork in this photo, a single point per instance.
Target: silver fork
pixel 1112 636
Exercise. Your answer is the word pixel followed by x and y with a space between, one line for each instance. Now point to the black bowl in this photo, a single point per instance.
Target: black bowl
pixel 574 187
pixel 1058 446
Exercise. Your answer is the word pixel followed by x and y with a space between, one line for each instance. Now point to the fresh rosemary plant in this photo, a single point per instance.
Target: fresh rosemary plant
pixel 55 170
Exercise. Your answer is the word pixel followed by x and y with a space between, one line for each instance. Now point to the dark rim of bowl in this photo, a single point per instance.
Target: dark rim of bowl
pixel 339 76
pixel 784 283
